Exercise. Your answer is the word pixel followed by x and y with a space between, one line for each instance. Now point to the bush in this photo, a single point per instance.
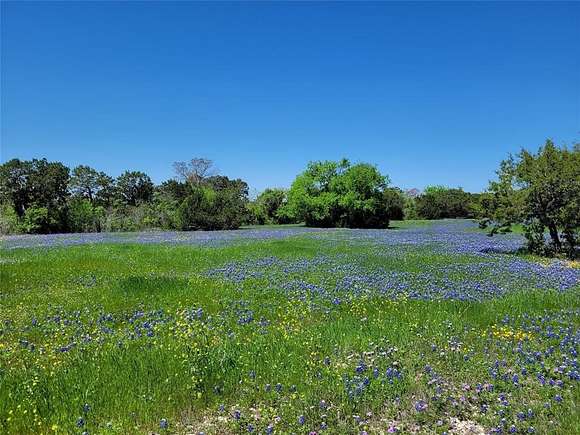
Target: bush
pixel 84 217
pixel 256 213
pixel 8 219
pixel 121 219
pixel 395 203
pixel 209 209
pixel 439 202
pixel 35 220
pixel 338 194
pixel 410 208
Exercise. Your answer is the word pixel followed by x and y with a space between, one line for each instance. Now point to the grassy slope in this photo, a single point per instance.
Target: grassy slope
pixel 131 384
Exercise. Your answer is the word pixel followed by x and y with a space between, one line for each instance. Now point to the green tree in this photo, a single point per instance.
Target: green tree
pixel 410 208
pixel 256 213
pixel 502 205
pixel 134 187
pixel 268 205
pixel 36 220
pixel 218 203
pixel 329 194
pixel 395 202
pixel 362 197
pixel 84 216
pixel 166 200
pixel 49 184
pixel 15 185
pixel 173 190
pixel 9 222
pixel 97 187
pixel 440 202
pixel 37 184
pixel 312 198
pixel 541 191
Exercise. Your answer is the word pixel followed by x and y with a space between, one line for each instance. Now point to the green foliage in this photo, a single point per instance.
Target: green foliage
pixel 193 211
pixel 267 208
pixel 435 189
pixel 83 216
pixel 122 218
pixel 97 187
pixel 49 188
pixel 256 213
pixel 152 215
pixel 173 190
pixel 410 208
pixel 38 184
pixel 542 192
pixel 501 207
pixel 216 204
pixel 439 202
pixel 8 219
pixel 15 186
pixel 164 211
pixel 272 199
pixel 36 220
pixel 395 202
pixel 134 187
pixel 43 198
pixel 338 194
pixel 539 191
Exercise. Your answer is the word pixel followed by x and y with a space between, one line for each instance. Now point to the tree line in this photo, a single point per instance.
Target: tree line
pixel 38 196
pixel 539 191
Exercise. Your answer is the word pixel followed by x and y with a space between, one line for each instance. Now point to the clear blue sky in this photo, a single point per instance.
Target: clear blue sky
pixel 433 93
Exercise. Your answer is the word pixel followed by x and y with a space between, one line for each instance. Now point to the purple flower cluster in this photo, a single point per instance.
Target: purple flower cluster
pixel 336 279
pixel 197 238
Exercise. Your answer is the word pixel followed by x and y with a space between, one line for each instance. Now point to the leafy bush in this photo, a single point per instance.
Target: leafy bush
pixel 8 219
pixel 119 219
pixel 84 216
pixel 256 213
pixel 207 208
pixel 267 208
pixel 338 194
pixel 395 202
pixel 440 202
pixel 36 220
pixel 410 208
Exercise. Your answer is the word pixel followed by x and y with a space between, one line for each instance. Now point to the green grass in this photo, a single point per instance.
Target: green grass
pixel 188 368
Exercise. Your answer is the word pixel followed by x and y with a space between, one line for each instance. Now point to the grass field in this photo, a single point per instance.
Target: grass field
pixel 425 328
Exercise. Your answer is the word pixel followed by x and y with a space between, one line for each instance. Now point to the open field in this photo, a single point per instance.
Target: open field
pixel 425 328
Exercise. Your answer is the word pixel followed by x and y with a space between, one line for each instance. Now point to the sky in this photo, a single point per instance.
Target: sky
pixel 432 93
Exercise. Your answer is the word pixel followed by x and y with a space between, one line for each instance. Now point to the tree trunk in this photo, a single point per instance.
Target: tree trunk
pixel 554 236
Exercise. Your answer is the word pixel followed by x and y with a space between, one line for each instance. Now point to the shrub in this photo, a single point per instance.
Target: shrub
pixel 84 217
pixel 35 220
pixel 395 203
pixel 209 209
pixel 8 219
pixel 338 194
pixel 439 202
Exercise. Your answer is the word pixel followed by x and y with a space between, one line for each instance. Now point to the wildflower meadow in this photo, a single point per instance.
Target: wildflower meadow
pixel 427 327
